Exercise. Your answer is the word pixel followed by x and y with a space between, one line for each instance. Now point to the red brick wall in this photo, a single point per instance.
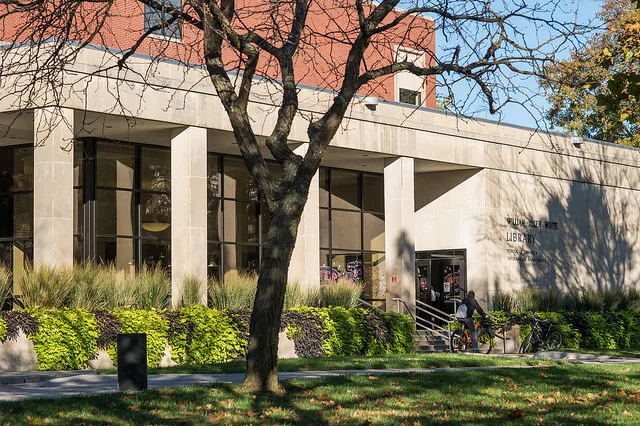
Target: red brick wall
pixel 320 61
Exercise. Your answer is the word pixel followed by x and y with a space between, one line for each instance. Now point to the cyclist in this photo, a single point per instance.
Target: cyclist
pixel 472 305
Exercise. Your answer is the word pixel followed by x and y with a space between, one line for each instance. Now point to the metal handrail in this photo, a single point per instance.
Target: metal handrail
pixel 425 324
pixel 368 305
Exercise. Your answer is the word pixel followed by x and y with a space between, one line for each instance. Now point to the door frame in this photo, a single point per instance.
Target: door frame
pixel 435 257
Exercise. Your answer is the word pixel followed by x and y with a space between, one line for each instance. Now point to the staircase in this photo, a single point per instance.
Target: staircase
pixel 429 335
pixel 427 341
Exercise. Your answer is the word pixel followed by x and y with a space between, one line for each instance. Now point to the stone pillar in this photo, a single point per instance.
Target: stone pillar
pixel 188 211
pixel 399 226
pixel 53 187
pixel 305 259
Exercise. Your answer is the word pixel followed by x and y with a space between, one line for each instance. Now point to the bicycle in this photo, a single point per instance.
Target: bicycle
pixel 542 336
pixel 460 340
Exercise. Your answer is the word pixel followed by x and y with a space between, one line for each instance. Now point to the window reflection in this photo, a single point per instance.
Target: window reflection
pixel 16 209
pixel 352 237
pixel 240 258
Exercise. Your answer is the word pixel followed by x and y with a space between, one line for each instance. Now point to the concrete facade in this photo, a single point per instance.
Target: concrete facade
pixel 528 208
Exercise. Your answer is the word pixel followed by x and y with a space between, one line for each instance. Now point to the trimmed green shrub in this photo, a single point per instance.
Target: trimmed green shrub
pixel 179 331
pixel 66 338
pixel 213 336
pixel 149 322
pixel 349 333
pixel 401 330
pixel 3 330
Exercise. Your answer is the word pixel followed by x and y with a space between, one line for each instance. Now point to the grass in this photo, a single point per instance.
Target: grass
pixel 564 394
pixel 440 360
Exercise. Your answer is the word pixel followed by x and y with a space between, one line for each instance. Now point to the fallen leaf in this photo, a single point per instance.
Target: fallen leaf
pixel 373 377
pixel 516 414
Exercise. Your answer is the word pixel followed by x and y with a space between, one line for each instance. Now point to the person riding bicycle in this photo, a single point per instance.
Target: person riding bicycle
pixel 472 305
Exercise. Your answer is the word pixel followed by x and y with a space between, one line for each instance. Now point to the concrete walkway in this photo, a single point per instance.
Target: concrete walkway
pixel 35 385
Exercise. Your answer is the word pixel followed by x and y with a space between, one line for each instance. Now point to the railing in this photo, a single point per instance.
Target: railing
pixel 422 323
pixel 368 305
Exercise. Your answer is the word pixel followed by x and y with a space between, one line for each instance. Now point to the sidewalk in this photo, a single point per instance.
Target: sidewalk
pixel 58 384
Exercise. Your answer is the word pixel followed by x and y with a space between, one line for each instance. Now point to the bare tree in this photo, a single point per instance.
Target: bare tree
pixel 348 46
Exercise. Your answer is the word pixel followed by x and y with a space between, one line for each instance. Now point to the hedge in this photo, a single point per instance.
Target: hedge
pixel 70 338
pixel 588 330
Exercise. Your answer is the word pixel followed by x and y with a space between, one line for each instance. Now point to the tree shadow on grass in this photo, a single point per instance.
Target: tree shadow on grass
pixel 564 394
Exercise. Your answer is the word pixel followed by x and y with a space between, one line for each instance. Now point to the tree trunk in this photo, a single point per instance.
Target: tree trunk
pixel 262 354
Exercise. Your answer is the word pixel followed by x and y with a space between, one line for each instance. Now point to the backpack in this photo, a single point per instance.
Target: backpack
pixel 461 313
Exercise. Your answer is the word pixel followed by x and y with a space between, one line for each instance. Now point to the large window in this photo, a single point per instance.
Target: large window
pixel 16 208
pixel 237 225
pixel 163 19
pixel 124 218
pixel 352 230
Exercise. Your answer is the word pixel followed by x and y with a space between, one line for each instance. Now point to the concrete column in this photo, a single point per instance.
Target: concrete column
pixel 188 211
pixel 53 187
pixel 305 259
pixel 399 229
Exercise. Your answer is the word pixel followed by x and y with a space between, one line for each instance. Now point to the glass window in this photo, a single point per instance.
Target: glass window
pixel 375 285
pixel 324 187
pixel 373 193
pixel 213 260
pixel 156 253
pixel 345 230
pixel 348 266
pixel 373 233
pixel 324 228
pixel 345 190
pixel 16 169
pixel 16 212
pixel 77 249
pixel 237 181
pixel 116 251
pixel 214 219
pixel 78 211
pixel 413 97
pixel 213 177
pixel 155 212
pixel 240 222
pixel 163 18
pixel 78 163
pixel 241 259
pixel 115 165
pixel 22 169
pixel 114 212
pixel 155 170
pixel 328 274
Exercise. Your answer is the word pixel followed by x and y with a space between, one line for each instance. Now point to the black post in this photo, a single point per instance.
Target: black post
pixel 132 362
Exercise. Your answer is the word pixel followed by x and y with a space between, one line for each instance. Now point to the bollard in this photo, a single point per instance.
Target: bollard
pixel 132 362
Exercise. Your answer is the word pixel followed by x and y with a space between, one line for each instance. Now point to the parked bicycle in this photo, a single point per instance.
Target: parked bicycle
pixel 543 336
pixel 460 340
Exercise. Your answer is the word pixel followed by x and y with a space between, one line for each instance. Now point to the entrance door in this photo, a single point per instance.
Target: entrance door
pixel 440 278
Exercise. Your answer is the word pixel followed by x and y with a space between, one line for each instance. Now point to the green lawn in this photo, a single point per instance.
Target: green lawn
pixel 358 363
pixel 564 394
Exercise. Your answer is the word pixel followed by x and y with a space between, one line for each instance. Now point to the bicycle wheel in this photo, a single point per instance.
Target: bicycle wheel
pixel 454 341
pixel 527 345
pixel 485 341
pixel 554 340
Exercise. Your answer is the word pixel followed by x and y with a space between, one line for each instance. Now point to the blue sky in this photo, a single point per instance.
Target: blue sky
pixel 516 114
